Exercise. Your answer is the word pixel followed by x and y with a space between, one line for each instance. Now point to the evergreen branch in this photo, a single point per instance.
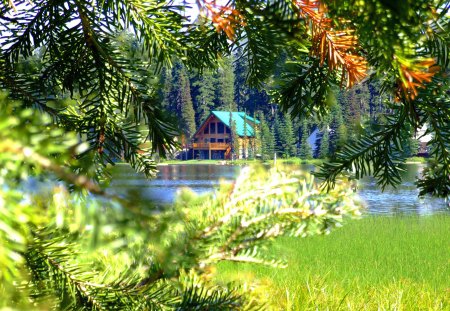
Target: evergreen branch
pixel 162 133
pixel 225 18
pixel 380 150
pixel 303 89
pixel 215 298
pixel 436 177
pixel 49 263
pixel 157 24
pixel 336 47
pixel 21 91
pixel 10 146
pixel 256 212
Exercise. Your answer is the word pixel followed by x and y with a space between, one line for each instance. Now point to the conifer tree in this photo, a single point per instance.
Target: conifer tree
pixel 203 94
pixel 181 101
pixel 324 150
pixel 278 135
pixel 287 138
pixel 305 151
pixel 225 85
pixel 241 87
pixel 165 87
pixel 267 139
pixel 338 129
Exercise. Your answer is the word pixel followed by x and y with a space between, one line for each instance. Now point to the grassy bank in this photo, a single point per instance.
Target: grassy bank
pixel 416 160
pixel 242 162
pixel 376 263
pixel 279 160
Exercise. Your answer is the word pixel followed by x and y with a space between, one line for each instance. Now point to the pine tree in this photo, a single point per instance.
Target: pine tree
pixel 278 134
pixel 203 94
pixel 181 101
pixel 305 151
pixel 267 139
pixel 225 86
pixel 241 88
pixel 338 129
pixel 286 137
pixel 324 150
pixel 166 87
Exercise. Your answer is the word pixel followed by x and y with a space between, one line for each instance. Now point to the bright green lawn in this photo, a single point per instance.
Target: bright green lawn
pixel 293 160
pixel 376 263
pixel 242 162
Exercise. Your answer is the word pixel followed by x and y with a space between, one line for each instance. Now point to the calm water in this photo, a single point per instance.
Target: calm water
pixel 204 178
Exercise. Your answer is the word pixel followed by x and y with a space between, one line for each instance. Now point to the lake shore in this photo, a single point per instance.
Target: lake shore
pixel 242 162
pixel 412 160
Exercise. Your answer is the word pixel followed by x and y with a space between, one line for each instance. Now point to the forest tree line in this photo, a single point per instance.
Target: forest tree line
pixel 191 95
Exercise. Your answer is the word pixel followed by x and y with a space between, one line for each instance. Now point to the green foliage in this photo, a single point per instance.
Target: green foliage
pixel 83 92
pixel 410 36
pixel 267 138
pixel 324 150
pixel 305 151
pixel 84 61
pixel 284 136
pixel 204 95
pixel 224 86
pixel 180 101
pixel 72 250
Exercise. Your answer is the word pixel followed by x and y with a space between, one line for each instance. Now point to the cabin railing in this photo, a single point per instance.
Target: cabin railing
pixel 208 146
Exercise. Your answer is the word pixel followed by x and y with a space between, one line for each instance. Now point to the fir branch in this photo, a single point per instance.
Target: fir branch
pixel 376 153
pixel 336 47
pixel 10 146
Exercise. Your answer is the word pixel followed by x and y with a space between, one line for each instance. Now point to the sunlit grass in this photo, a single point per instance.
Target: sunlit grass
pixel 376 263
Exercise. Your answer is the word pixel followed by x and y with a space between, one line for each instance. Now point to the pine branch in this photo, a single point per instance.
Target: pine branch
pixel 338 48
pixel 378 154
pixel 28 154
pixel 49 261
pixel 258 208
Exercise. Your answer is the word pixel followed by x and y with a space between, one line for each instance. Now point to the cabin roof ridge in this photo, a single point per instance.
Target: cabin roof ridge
pixel 244 122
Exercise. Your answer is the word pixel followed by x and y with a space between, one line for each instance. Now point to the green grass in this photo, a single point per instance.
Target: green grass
pixel 243 162
pixel 416 160
pixel 169 162
pixel 293 160
pixel 376 263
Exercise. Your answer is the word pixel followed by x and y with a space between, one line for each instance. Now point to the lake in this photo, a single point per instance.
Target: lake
pixel 204 177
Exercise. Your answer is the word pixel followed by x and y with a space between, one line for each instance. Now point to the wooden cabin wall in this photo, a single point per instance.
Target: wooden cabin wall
pixel 203 137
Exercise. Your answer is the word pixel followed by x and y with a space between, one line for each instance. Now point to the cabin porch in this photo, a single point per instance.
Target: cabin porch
pixel 211 151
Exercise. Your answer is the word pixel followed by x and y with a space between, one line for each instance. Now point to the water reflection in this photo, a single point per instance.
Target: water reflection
pixel 204 178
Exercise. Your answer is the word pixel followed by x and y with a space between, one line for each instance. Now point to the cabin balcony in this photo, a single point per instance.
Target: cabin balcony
pixel 209 146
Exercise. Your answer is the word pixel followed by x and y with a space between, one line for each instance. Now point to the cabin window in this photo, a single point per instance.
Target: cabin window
pixel 220 128
pixel 220 140
pixel 228 130
pixel 206 131
pixel 212 127
pixel 212 140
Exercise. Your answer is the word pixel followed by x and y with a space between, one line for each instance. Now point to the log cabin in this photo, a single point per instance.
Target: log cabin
pixel 213 139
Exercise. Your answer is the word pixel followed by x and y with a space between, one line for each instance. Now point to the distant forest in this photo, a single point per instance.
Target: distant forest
pixel 191 95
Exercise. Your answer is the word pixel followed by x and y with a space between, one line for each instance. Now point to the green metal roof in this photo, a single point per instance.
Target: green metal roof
pixel 238 118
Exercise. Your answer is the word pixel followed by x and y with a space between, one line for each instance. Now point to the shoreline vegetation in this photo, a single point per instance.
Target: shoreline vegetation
pixel 294 160
pixel 373 263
